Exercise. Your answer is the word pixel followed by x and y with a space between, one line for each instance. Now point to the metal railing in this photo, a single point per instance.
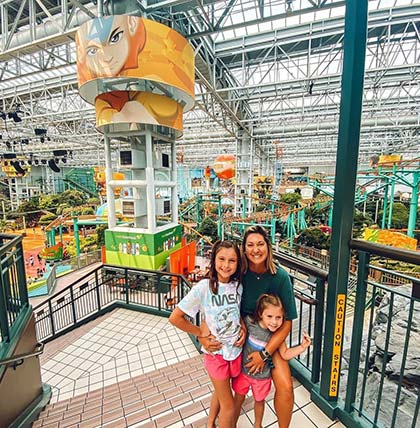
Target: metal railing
pixel 104 288
pixel 13 292
pixel 380 385
pixel 309 283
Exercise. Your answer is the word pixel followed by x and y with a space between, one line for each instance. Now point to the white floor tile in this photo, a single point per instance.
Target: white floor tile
pixel 302 396
pixel 299 420
pixel 317 416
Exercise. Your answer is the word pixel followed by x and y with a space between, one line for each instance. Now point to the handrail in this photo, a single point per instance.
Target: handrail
pixel 386 251
pixel 14 240
pixel 300 264
pixel 17 360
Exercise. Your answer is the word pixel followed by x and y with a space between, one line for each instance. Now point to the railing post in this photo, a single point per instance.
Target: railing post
pixel 21 278
pixel 73 306
pixel 4 325
pixel 356 339
pixel 51 317
pixel 345 182
pixel 98 295
pixel 159 292
pixel 127 288
pixel 319 321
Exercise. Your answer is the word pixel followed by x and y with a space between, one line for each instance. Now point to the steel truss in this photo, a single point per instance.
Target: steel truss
pixel 280 83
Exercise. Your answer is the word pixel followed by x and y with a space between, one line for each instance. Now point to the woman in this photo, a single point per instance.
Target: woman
pixel 263 277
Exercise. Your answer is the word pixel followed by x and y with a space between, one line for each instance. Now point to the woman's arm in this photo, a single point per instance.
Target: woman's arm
pixel 279 337
pixel 256 363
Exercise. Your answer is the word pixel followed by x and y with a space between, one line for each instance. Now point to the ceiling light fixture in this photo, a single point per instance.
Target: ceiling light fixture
pixel 289 9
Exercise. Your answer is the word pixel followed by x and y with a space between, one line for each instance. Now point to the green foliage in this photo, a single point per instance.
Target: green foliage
pixel 73 198
pixel 100 230
pixel 31 210
pixel 94 201
pixel 87 244
pixel 400 215
pixel 360 222
pixel 315 238
pixel 47 219
pixel 49 202
pixel 87 211
pixel 291 198
pixel 208 227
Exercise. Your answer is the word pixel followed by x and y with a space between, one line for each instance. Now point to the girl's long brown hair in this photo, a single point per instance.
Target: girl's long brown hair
pixel 214 283
pixel 269 262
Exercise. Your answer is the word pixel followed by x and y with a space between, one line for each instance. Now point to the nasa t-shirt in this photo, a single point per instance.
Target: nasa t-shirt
pixel 221 312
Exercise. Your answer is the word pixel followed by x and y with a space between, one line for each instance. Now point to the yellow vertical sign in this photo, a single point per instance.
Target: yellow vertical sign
pixel 338 340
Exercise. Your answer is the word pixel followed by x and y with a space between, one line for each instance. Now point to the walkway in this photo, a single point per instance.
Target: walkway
pixel 133 369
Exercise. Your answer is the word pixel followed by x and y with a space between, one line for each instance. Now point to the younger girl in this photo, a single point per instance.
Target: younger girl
pixel 217 298
pixel 268 318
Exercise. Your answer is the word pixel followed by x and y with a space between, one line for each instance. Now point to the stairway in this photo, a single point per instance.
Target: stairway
pixel 176 395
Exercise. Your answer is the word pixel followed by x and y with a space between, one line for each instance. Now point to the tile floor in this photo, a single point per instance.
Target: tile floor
pixel 125 344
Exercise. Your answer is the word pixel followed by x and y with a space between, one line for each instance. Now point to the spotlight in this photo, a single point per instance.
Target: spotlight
pixel 14 115
pixel 29 161
pixel 44 161
pixel 289 9
pixel 9 155
pixel 42 139
pixel 36 161
pixel 17 167
pixel 59 152
pixel 64 160
pixel 40 131
pixel 3 115
pixel 53 165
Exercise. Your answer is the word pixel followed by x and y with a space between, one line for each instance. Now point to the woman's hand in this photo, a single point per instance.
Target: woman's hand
pixel 255 363
pixel 241 337
pixel 209 343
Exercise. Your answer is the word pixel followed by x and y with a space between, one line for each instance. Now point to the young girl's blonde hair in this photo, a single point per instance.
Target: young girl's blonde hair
pixel 262 303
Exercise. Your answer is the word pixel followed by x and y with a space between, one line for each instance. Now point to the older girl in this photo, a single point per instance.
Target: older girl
pixel 218 299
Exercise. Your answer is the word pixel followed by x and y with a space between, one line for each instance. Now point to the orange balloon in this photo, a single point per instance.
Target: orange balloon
pixel 224 166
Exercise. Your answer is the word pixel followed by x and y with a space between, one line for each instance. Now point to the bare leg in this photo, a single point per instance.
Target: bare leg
pixel 239 400
pixel 213 412
pixel 283 397
pixel 224 395
pixel 259 413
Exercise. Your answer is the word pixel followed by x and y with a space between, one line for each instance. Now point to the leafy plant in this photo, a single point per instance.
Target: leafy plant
pixel 208 227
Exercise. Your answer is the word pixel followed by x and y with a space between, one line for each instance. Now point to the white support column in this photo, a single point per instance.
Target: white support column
pixel 244 176
pixel 150 188
pixel 110 198
pixel 174 190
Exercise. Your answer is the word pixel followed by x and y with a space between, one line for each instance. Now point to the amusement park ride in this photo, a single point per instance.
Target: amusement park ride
pixel 215 202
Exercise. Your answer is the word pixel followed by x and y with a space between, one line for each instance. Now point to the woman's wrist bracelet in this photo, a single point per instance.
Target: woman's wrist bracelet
pixel 203 337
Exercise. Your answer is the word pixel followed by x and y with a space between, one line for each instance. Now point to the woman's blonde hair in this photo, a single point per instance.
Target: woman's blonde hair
pixel 269 262
pixel 263 301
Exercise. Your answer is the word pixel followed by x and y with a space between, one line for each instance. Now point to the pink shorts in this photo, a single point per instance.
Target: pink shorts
pixel 260 387
pixel 218 368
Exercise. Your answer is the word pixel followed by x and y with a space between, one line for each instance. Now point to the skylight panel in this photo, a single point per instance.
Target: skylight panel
pixel 322 14
pixel 250 14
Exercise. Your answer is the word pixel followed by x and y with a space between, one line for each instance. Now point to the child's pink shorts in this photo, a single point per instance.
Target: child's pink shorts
pixel 260 387
pixel 218 368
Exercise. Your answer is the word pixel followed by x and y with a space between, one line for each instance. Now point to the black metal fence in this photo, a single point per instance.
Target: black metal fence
pixel 13 292
pixel 102 288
